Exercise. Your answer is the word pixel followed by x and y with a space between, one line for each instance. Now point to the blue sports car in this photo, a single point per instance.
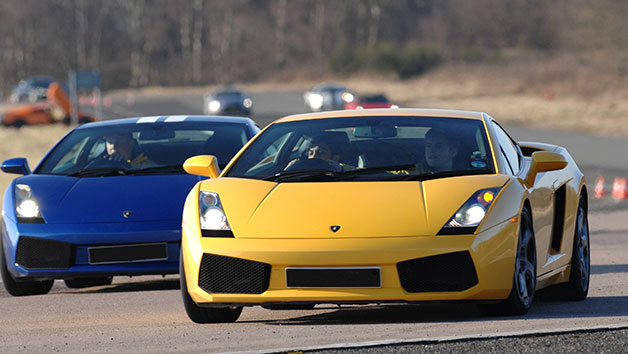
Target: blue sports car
pixel 107 200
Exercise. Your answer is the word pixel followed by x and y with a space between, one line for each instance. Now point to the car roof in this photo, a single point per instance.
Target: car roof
pixel 416 112
pixel 171 119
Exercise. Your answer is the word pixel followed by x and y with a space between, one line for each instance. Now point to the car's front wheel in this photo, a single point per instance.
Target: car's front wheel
pixel 205 314
pixel 21 288
pixel 524 278
pixel 79 283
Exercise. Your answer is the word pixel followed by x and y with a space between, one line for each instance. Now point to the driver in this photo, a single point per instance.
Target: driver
pixel 122 147
pixel 320 149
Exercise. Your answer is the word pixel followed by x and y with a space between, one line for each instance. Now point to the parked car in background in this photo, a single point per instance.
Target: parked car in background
pixel 54 109
pixel 384 206
pixel 228 101
pixel 30 90
pixel 371 101
pixel 107 200
pixel 327 97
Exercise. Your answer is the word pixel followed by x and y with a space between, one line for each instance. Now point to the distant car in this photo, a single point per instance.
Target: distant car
pixel 371 101
pixel 30 90
pixel 419 205
pixel 228 101
pixel 86 213
pixel 55 109
pixel 327 97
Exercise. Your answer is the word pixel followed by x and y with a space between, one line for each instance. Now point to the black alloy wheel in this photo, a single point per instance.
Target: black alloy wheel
pixel 577 287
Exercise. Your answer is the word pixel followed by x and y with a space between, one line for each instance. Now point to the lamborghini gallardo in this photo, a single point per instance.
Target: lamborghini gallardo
pixel 384 206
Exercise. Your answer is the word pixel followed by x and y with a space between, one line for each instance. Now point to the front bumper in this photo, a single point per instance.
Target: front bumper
pixel 412 269
pixel 55 251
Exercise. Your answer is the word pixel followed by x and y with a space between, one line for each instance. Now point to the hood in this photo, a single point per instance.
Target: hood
pixel 63 199
pixel 259 209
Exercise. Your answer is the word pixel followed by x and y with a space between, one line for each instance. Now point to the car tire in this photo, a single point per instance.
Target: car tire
pixel 18 123
pixel 205 314
pixel 577 288
pixel 79 283
pixel 21 288
pixel 524 276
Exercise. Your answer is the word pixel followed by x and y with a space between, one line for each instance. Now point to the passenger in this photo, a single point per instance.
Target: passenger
pixel 122 147
pixel 440 151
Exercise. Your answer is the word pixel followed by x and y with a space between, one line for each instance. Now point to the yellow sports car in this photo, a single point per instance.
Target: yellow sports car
pixel 384 205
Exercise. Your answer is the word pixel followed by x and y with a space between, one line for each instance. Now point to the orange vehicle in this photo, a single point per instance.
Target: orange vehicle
pixel 55 109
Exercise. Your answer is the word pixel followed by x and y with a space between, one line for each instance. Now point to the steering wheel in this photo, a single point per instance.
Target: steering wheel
pixel 106 161
pixel 315 164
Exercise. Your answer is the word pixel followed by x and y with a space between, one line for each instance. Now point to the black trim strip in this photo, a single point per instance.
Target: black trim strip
pixel 217 233
pixel 462 230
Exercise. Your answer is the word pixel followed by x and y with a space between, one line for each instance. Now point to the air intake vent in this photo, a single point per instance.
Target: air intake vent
pixel 446 272
pixel 227 275
pixel 38 253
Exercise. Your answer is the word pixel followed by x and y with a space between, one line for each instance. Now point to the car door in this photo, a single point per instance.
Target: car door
pixel 546 195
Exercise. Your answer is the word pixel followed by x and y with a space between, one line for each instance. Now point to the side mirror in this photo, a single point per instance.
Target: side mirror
pixel 202 165
pixel 18 165
pixel 544 161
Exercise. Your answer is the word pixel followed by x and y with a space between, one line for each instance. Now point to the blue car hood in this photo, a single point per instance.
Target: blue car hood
pixel 63 199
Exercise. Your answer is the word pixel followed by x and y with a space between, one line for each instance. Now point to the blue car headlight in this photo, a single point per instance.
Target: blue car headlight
pixel 470 215
pixel 212 216
pixel 26 206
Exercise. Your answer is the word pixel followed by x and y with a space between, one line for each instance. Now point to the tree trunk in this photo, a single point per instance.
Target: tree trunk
pixel 280 33
pixel 197 42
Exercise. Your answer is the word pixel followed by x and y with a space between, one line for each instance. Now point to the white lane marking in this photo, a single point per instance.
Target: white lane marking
pixel 148 119
pixel 434 340
pixel 176 118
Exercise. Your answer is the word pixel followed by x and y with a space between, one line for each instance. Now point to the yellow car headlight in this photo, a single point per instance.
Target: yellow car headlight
pixel 470 215
pixel 212 216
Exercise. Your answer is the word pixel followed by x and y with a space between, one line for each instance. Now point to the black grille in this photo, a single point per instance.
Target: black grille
pixel 227 275
pixel 37 253
pixel 445 272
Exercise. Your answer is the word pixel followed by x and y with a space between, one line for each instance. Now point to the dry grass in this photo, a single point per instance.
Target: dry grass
pixel 30 142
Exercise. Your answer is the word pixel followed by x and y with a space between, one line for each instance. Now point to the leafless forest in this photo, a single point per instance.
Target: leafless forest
pixel 137 43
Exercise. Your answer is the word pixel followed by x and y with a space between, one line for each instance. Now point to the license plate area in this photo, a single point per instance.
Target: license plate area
pixel 334 277
pixel 128 253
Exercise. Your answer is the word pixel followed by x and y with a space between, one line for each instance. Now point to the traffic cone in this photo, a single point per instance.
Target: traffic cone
pixel 619 188
pixel 600 189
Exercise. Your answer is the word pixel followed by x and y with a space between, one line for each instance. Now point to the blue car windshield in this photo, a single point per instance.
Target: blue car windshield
pixel 367 149
pixel 159 148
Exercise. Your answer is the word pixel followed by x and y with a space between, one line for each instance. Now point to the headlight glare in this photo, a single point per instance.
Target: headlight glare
pixel 471 213
pixel 25 205
pixel 316 100
pixel 211 214
pixel 213 105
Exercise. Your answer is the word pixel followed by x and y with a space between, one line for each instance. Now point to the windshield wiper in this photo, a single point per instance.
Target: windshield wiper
pixel 300 175
pixel 444 174
pixel 167 169
pixel 99 172
pixel 378 169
